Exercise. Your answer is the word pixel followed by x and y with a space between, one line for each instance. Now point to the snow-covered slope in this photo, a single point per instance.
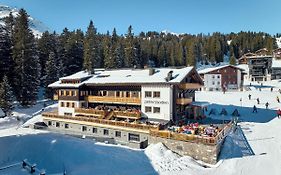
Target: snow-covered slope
pixel 36 26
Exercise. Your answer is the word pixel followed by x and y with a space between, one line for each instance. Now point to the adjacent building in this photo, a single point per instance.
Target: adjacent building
pixel 259 65
pixel 226 77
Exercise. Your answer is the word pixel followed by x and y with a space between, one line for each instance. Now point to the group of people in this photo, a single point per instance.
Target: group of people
pixel 196 129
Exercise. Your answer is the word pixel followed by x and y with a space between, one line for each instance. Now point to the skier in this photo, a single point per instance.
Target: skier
pixel 279 90
pixel 271 89
pixel 279 113
pixel 249 96
pixel 258 101
pixel 255 110
pixel 278 100
pixel 266 105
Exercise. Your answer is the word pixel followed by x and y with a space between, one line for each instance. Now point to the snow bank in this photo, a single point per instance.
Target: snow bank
pixel 164 160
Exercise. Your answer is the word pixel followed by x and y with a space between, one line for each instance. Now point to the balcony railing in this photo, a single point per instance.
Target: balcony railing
pixel 125 114
pixel 190 86
pixel 132 125
pixel 193 138
pixel 183 101
pixel 122 100
pixel 94 112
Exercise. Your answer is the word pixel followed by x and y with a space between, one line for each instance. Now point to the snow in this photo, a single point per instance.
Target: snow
pixel 210 69
pixel 276 63
pixel 36 26
pixel 278 41
pixel 229 42
pixel 254 148
pixel 137 76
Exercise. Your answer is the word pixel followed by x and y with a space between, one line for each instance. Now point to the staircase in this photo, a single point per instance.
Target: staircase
pixel 109 115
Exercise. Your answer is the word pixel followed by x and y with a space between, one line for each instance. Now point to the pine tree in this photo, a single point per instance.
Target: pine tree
pixel 6 96
pixel 107 51
pixel 92 58
pixel 6 60
pixel 26 60
pixel 129 49
pixel 232 60
pixel 51 73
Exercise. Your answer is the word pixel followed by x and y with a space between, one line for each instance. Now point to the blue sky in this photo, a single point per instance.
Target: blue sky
pixel 180 16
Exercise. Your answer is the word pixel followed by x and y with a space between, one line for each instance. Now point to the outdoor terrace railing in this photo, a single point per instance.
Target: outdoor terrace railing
pixel 103 121
pixel 94 112
pixel 105 99
pixel 193 138
pixel 126 114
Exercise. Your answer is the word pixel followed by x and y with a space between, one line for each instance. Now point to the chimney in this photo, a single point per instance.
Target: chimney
pixel 169 76
pixel 151 71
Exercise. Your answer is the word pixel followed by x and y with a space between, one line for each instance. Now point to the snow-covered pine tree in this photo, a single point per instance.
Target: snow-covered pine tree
pixel 27 66
pixel 6 96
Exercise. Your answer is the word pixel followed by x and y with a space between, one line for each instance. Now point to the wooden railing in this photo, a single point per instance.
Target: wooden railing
pixel 190 86
pixel 103 121
pixel 125 114
pixel 124 100
pixel 183 101
pixel 94 112
pixel 193 138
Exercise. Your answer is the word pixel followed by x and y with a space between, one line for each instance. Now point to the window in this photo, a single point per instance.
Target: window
pixel 213 83
pixel 219 83
pixel 147 109
pixel 57 124
pixel 134 137
pixel 156 110
pixel 127 94
pixel 105 132
pixel 117 133
pixel 224 70
pixel 67 93
pixel 213 76
pixel 66 125
pixel 67 104
pixel 84 128
pixel 50 123
pixel 218 76
pixel 156 94
pixel 72 93
pixel 73 105
pixel 68 114
pixel 61 104
pixel 147 94
pixel 95 130
pixel 118 94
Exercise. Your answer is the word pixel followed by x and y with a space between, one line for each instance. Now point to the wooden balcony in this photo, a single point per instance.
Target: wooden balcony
pixel 93 112
pixel 186 86
pixel 56 97
pixel 119 100
pixel 122 124
pixel 130 115
pixel 183 101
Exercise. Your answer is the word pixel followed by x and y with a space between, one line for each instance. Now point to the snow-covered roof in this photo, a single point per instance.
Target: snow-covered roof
pixel 276 63
pixel 245 67
pixel 2 114
pixel 207 70
pixel 126 76
pixel 78 76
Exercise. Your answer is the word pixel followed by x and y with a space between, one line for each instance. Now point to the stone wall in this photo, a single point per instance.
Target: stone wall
pixel 199 151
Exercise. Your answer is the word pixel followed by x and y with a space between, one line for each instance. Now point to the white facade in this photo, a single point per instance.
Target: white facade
pixel 64 110
pixel 212 81
pixel 164 103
